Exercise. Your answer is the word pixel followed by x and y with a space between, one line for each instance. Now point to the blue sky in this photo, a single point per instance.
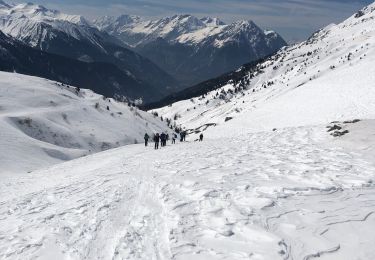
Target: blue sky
pixel 293 19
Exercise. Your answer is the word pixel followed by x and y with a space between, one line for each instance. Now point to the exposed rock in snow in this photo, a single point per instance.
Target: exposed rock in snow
pixel 360 137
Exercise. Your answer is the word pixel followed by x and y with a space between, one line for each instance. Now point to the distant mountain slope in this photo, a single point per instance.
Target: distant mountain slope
pixel 74 37
pixel 44 122
pixel 206 86
pixel 328 77
pixel 192 49
pixel 103 78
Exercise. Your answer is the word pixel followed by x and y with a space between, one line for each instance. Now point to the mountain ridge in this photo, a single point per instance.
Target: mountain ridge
pixel 73 37
pixel 103 78
pixel 193 49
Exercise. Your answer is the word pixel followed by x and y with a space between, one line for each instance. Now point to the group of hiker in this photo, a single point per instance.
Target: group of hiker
pixel 163 138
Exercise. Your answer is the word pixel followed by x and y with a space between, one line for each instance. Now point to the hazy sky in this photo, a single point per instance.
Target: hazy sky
pixel 293 19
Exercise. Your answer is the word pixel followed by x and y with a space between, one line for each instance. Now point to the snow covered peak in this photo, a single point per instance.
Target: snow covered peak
pixel 209 21
pixel 34 24
pixel 142 31
pixel 269 32
pixel 220 35
pixel 127 19
pixel 31 8
pixel 243 27
pixel 112 23
pixel 192 44
pixel 244 23
pixel 41 13
pixel 176 25
pixel 37 13
pixel 183 28
pixel 190 20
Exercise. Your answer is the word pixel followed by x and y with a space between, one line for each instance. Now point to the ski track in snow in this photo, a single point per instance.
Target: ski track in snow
pixel 270 195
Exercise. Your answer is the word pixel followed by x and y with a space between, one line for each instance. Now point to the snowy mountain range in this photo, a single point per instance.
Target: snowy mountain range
pixel 189 50
pixel 328 77
pixel 73 37
pixel 193 49
pixel 46 122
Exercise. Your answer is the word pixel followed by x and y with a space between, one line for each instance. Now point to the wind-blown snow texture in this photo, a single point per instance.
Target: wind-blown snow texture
pixel 271 195
pixel 245 192
pixel 43 123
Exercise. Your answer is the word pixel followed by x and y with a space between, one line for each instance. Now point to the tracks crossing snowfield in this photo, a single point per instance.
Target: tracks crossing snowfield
pixel 269 195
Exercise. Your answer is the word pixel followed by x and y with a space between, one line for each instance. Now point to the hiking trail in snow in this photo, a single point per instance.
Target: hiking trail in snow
pixel 286 194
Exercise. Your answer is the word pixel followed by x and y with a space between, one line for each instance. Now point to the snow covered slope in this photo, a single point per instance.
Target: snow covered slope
pixel 328 77
pixel 193 49
pixel 290 194
pixel 44 122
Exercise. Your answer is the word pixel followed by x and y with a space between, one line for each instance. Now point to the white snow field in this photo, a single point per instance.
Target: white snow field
pixel 288 194
pixel 43 123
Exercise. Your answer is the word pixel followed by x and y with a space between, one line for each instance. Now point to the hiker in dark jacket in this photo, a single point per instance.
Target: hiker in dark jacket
pixel 174 137
pixel 146 139
pixel 201 138
pixel 156 140
pixel 163 139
